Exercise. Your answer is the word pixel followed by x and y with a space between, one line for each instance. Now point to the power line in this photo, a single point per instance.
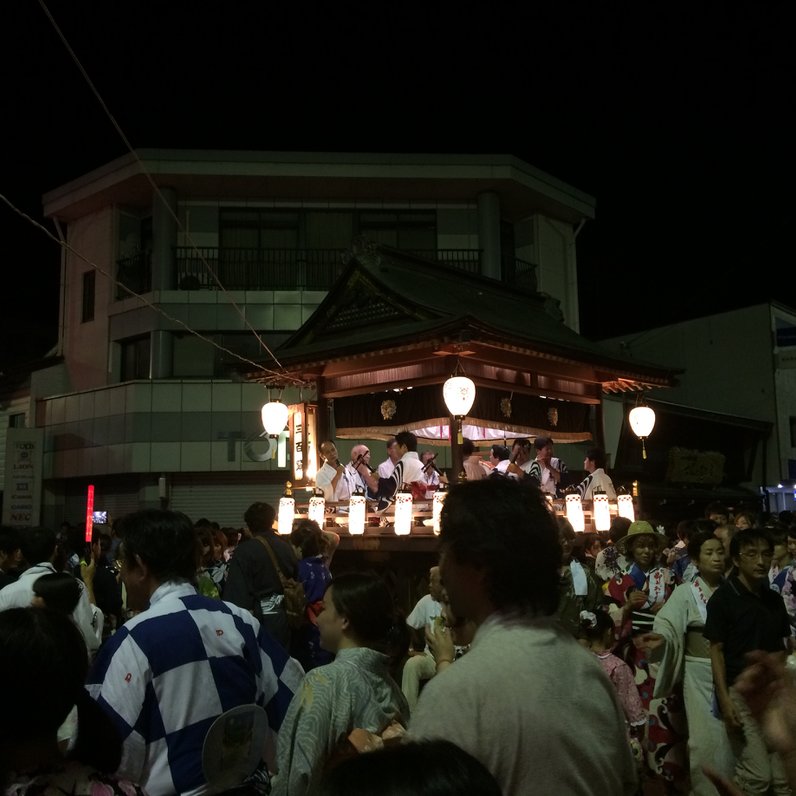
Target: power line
pixel 144 300
pixel 155 187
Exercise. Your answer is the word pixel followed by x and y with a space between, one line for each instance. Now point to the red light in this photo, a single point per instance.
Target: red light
pixel 89 513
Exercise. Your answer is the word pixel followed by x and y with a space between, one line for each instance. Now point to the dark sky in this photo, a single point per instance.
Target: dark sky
pixel 677 119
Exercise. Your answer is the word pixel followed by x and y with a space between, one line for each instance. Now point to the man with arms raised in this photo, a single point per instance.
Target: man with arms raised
pixel 528 700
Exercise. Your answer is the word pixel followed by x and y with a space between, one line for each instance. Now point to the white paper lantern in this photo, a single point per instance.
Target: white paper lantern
pixel 459 395
pixel 316 510
pixel 602 511
pixel 287 513
pixel 642 421
pixel 624 505
pixel 575 516
pixel 357 507
pixel 436 508
pixel 274 415
pixel 403 513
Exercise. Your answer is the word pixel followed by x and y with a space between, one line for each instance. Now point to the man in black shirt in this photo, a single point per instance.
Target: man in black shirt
pixel 744 615
pixel 252 580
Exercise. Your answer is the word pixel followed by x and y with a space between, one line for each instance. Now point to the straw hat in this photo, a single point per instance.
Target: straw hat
pixel 636 529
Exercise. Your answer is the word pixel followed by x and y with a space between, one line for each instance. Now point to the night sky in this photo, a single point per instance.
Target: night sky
pixel 677 120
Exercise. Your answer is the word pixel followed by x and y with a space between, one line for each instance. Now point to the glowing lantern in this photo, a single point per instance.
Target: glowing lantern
pixel 575 516
pixel 642 421
pixel 602 511
pixel 287 511
pixel 357 507
pixel 403 512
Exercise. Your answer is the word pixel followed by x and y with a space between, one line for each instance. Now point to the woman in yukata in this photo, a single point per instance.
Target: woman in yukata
pixel 360 626
pixel 315 575
pixel 682 651
pixel 637 595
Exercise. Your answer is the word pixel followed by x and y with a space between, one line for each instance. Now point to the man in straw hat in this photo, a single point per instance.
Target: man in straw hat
pixel 646 584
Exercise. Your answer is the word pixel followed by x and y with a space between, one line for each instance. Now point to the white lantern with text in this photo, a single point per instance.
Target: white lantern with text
pixel 316 509
pixel 624 505
pixel 287 511
pixel 602 511
pixel 403 512
pixel 357 509
pixel 574 508
pixel 436 508
pixel 642 421
pixel 458 392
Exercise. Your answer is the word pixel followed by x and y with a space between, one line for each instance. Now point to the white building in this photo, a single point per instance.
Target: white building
pixel 143 398
pixel 738 364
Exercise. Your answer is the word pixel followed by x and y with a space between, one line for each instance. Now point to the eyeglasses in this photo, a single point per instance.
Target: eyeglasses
pixel 753 554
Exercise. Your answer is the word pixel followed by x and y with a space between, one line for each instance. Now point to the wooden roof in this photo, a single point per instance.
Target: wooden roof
pixel 394 321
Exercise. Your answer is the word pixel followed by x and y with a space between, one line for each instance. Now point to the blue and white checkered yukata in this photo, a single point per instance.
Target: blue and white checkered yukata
pixel 169 672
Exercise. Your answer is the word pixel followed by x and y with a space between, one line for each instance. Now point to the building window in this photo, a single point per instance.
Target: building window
pixel 410 230
pixel 89 285
pixel 16 420
pixel 219 355
pixel 135 359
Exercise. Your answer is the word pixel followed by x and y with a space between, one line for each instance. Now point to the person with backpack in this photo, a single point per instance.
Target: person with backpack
pixel 256 572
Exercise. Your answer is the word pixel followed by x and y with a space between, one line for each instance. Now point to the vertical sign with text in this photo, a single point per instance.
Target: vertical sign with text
pixel 22 488
pixel 303 451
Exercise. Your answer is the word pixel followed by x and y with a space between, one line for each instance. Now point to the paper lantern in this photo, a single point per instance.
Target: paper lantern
pixel 459 395
pixel 602 511
pixel 574 508
pixel 436 508
pixel 287 511
pixel 274 415
pixel 403 512
pixel 642 421
pixel 357 509
pixel 316 509
pixel 624 505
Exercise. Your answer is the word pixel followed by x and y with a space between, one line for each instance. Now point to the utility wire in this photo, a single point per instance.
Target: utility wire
pixel 145 301
pixel 155 187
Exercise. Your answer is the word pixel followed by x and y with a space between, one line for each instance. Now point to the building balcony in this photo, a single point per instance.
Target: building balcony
pixel 211 267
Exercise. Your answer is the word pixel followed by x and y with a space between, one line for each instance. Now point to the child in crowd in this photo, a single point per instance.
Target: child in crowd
pixel 599 634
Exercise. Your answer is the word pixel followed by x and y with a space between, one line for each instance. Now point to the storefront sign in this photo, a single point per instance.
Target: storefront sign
pixel 22 490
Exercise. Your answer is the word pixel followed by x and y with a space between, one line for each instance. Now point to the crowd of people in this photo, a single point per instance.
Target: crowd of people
pixel 540 661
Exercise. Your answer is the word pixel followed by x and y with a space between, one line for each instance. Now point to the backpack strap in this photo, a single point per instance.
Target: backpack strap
pixel 272 554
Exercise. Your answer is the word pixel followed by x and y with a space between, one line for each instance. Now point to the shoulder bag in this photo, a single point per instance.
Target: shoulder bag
pixel 295 597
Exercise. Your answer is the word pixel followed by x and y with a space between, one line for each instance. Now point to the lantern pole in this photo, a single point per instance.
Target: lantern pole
pixel 456 449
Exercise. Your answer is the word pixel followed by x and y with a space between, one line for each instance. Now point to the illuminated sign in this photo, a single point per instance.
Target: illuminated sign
pixel 303 444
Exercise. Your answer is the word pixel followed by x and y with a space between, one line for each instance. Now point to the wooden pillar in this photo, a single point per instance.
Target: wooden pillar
pixel 456 450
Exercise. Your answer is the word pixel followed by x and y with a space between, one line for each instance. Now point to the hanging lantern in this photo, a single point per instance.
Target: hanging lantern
pixel 458 393
pixel 575 516
pixel 357 508
pixel 436 507
pixel 316 510
pixel 642 421
pixel 602 511
pixel 624 505
pixel 403 512
pixel 287 511
pixel 274 415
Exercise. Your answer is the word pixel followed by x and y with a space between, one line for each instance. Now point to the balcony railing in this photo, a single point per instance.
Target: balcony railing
pixel 519 273
pixel 210 267
pixel 257 269
pixel 135 273
pixel 283 269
